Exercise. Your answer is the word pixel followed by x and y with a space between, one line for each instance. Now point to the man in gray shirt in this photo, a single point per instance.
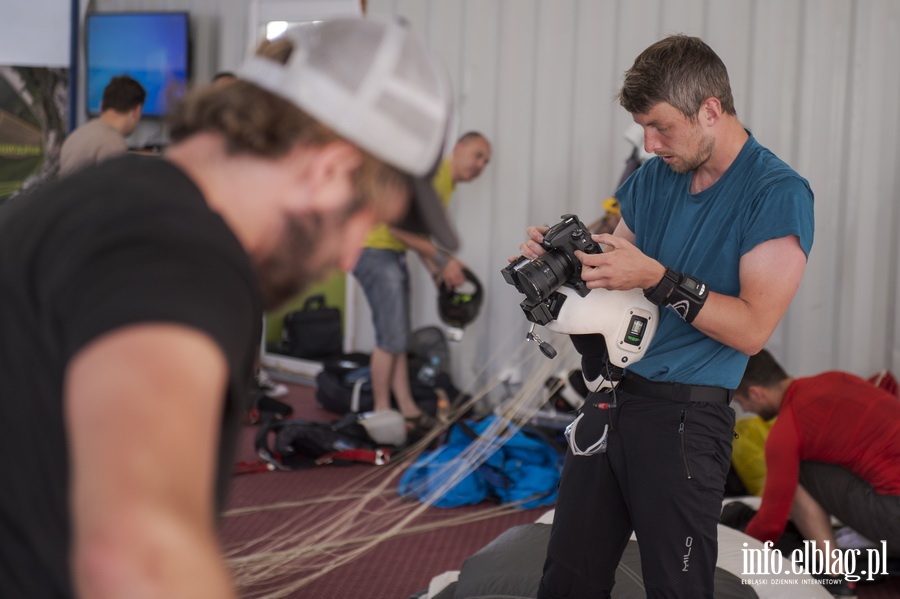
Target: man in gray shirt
pixel 104 137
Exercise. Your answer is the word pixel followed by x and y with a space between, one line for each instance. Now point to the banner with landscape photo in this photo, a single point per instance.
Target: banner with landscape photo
pixel 33 125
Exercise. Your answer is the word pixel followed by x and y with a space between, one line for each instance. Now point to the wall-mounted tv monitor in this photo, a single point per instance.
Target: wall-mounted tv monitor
pixel 153 48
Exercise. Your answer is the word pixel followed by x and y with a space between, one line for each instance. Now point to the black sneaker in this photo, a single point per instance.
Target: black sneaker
pixel 268 386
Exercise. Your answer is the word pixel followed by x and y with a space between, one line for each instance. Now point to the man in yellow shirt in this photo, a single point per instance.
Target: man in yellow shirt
pixel 383 275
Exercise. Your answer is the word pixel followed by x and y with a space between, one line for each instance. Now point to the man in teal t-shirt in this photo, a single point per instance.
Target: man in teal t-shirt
pixel 716 230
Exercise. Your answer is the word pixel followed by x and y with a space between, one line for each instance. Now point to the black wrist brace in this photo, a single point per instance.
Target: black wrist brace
pixel 682 293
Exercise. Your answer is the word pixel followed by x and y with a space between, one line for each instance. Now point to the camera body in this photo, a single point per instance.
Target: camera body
pixel 539 279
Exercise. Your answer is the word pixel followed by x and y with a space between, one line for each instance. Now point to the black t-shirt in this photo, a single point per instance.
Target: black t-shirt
pixel 131 240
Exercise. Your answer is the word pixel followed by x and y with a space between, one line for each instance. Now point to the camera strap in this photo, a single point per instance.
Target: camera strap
pixel 684 294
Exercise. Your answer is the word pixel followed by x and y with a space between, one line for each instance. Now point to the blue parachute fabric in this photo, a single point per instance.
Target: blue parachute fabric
pixel 521 469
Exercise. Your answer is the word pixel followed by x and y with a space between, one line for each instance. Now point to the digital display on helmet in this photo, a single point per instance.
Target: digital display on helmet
pixel 636 328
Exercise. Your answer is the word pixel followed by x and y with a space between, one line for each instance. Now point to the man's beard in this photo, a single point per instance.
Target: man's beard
pixel 295 262
pixel 693 162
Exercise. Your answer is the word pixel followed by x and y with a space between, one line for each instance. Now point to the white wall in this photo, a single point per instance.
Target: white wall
pixel 35 33
pixel 817 81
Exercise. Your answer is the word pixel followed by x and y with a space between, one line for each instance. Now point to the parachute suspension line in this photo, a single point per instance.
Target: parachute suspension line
pixel 306 546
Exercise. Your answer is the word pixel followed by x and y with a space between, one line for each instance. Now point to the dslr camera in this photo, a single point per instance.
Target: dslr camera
pixel 539 279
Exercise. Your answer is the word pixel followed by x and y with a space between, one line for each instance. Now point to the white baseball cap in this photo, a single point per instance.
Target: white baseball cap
pixel 385 427
pixel 379 87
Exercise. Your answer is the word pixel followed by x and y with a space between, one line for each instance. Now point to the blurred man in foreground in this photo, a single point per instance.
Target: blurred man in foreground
pixel 131 295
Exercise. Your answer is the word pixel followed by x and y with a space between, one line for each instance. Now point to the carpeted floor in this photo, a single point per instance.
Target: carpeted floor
pixel 394 569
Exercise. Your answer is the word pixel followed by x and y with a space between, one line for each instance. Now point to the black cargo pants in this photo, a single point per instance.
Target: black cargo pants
pixel 662 477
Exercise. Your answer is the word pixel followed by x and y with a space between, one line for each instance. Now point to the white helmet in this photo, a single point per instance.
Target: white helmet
pixel 385 427
pixel 626 320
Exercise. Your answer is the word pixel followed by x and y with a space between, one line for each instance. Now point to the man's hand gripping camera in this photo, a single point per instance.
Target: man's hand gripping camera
pixel 610 329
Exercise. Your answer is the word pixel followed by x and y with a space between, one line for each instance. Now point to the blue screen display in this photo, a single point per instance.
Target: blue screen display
pixel 152 48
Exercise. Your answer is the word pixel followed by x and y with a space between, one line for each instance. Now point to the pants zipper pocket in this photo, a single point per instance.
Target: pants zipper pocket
pixel 687 467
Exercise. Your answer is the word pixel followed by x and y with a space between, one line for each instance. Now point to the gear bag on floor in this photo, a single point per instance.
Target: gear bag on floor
pixel 296 444
pixel 344 385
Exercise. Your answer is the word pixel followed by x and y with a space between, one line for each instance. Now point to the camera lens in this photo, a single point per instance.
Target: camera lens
pixel 539 278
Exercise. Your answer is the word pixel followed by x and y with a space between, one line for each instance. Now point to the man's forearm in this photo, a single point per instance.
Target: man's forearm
pixel 142 514
pixel 160 557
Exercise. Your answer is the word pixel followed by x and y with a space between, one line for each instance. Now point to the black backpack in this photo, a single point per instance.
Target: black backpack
pixel 303 444
pixel 344 386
